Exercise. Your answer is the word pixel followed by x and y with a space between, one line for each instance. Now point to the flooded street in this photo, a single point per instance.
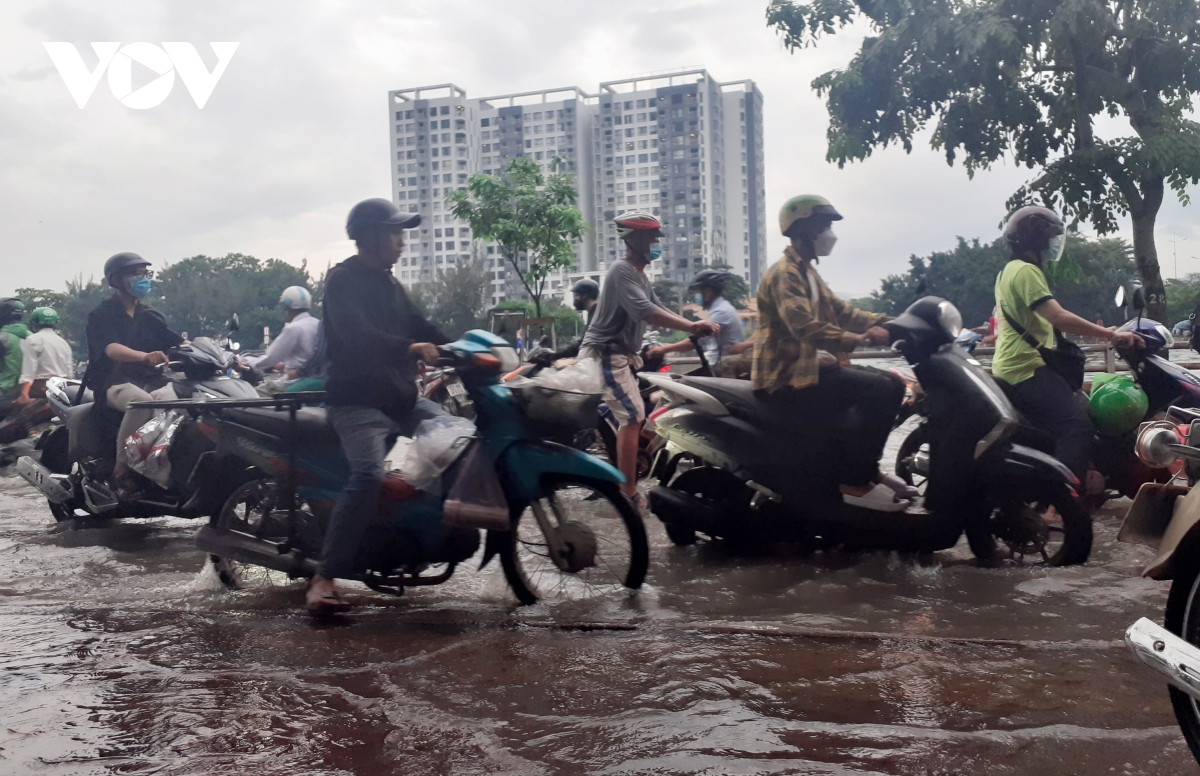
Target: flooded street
pixel 121 655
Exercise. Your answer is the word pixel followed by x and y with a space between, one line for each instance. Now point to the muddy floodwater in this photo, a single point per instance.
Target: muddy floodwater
pixel 122 655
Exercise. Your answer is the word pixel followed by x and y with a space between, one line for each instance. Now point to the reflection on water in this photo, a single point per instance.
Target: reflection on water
pixel 121 656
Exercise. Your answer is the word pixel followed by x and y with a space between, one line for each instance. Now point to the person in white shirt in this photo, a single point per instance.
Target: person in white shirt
pixel 45 354
pixel 709 286
pixel 297 342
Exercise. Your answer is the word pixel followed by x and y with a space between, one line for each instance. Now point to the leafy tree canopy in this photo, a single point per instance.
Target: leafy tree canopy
pixel 531 218
pixel 1026 79
pixel 455 301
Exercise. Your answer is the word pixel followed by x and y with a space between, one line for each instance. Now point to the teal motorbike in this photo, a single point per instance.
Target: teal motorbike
pixel 275 470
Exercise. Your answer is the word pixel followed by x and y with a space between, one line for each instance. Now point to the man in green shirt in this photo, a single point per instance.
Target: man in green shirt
pixel 1037 235
pixel 12 357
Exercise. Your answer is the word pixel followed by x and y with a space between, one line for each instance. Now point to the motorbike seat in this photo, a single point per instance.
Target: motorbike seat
pixel 737 396
pixel 312 423
pixel 72 391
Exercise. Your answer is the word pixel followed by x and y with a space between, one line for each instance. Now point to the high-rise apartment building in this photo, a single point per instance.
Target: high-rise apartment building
pixel 682 145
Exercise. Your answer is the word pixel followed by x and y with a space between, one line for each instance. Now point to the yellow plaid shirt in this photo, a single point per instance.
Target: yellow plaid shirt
pixel 792 326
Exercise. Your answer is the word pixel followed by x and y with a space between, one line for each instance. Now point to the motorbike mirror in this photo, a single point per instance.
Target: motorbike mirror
pixel 1139 298
pixel 1119 299
pixel 235 347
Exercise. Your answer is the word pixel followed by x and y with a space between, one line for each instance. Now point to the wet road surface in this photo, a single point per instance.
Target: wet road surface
pixel 121 655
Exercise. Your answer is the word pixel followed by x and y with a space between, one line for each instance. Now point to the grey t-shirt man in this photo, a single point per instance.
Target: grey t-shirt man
pixel 619 323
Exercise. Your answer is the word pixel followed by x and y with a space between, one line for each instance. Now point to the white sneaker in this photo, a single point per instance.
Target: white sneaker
pixel 880 498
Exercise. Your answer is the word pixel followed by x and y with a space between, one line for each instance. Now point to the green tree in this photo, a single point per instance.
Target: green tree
pixel 455 300
pixel 667 292
pixel 531 218
pixel 1027 79
pixel 198 295
pixel 1084 281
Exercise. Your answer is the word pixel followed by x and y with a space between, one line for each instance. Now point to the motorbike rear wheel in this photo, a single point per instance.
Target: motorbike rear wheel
pixel 603 536
pixel 1183 619
pixel 245 511
pixel 1025 524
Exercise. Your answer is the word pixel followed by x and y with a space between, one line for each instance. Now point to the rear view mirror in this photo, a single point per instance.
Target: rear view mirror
pixel 1139 298
pixel 1119 300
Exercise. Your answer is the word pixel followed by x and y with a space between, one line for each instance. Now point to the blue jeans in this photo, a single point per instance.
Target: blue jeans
pixel 364 433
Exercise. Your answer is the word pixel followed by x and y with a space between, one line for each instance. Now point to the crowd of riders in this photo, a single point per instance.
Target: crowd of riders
pixel 365 350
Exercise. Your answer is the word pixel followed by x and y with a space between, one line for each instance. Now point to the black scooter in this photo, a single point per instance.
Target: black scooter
pixel 76 456
pixel 731 469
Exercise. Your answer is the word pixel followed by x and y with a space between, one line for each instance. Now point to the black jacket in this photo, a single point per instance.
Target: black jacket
pixel 146 330
pixel 370 323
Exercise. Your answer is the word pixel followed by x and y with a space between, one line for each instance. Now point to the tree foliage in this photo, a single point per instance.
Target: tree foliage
pixel 667 292
pixel 1026 79
pixel 531 218
pixel 1084 281
pixel 455 300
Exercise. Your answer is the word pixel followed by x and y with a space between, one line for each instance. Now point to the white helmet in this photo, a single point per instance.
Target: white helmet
pixel 295 298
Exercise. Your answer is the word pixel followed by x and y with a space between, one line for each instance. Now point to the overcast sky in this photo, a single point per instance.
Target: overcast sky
pixel 296 130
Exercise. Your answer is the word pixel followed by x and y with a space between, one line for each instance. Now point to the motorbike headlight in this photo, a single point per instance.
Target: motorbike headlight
pixel 1154 444
pixel 950 319
pixel 509 360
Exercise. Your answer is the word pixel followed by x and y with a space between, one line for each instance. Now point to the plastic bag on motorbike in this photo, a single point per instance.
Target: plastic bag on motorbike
pixel 583 376
pixel 437 443
pixel 476 499
pixel 147 450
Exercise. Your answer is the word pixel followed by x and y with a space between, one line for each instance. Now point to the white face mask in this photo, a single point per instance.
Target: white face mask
pixel 823 243
pixel 1054 250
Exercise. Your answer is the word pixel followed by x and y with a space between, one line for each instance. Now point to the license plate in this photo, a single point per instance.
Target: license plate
pixel 455 389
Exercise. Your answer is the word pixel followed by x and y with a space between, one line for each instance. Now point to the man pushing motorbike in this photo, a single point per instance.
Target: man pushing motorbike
pixel 799 316
pixel 614 336
pixel 374 336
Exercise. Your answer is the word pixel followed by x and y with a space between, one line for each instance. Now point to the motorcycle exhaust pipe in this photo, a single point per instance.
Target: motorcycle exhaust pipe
pixel 682 509
pixel 1171 656
pixel 247 549
pixel 56 488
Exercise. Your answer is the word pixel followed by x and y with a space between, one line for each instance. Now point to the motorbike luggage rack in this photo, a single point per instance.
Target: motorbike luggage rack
pixel 280 402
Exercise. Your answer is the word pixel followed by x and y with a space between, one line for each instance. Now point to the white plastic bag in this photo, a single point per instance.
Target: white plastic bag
pixel 148 451
pixel 437 443
pixel 583 376
pixel 477 500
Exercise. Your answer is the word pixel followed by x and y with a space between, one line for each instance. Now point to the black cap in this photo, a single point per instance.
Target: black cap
pixel 374 213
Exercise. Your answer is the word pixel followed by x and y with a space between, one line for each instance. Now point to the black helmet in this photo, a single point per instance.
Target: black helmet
pixel 715 279
pixel 120 263
pixel 587 288
pixel 11 310
pixel 373 213
pixel 1032 228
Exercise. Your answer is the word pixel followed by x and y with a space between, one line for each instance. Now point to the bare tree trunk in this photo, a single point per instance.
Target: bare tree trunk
pixel 1144 251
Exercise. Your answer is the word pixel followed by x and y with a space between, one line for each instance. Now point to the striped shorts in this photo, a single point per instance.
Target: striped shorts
pixel 621 392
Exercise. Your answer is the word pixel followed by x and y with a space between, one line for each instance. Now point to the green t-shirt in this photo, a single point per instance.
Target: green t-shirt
pixel 1019 288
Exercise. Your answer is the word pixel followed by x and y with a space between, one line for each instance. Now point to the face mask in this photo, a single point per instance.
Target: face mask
pixel 823 243
pixel 580 304
pixel 139 287
pixel 655 251
pixel 699 298
pixel 1054 250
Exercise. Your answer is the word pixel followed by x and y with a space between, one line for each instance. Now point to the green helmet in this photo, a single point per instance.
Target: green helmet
pixel 1117 406
pixel 805 206
pixel 43 317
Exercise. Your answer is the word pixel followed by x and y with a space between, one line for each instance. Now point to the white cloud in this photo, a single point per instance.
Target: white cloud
pixel 297 129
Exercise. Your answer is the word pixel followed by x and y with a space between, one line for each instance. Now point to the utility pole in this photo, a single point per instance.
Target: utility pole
pixel 1175 253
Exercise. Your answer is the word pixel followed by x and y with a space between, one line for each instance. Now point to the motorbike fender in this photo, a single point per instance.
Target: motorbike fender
pixel 1181 535
pixel 527 463
pixel 1027 463
pixel 1150 514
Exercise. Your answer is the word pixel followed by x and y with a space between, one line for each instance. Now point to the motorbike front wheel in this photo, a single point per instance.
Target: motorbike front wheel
pixel 250 510
pixel 1183 619
pixel 596 543
pixel 1052 528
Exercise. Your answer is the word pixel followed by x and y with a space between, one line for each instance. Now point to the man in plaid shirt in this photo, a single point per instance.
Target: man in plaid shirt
pixel 799 316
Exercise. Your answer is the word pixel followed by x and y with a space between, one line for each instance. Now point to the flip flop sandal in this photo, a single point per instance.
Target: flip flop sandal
pixel 330 603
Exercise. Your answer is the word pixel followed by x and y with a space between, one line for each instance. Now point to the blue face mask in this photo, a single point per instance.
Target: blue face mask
pixel 655 251
pixel 699 298
pixel 140 287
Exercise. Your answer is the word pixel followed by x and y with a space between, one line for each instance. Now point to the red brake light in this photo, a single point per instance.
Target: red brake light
pixel 664 368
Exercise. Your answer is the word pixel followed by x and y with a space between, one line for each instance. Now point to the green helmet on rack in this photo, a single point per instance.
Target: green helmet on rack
pixel 43 318
pixel 1117 406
